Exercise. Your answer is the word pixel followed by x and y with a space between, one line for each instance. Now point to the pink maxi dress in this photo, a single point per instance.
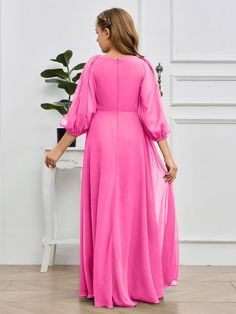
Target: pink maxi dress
pixel 128 228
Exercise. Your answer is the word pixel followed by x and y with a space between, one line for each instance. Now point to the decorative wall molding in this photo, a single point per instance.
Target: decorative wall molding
pixel 140 24
pixel 216 241
pixel 174 119
pixel 177 78
pixel 209 58
pixel 202 120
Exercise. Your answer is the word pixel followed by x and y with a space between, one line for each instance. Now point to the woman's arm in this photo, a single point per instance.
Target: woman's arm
pixel 168 159
pixel 53 155
pixel 164 147
pixel 65 142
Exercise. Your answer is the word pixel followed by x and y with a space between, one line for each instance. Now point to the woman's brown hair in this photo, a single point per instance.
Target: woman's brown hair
pixel 123 34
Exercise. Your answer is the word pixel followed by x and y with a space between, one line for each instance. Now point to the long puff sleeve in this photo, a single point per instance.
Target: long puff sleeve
pixel 83 106
pixel 150 109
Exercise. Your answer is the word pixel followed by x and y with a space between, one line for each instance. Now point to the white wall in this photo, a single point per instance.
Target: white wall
pixel 32 32
pixel 194 41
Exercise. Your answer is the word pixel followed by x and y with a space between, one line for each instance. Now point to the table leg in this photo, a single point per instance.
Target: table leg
pixel 49 249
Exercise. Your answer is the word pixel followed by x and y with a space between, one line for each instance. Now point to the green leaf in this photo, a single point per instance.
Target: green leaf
pixel 48 106
pixel 66 102
pixel 55 72
pixel 64 58
pixel 69 87
pixel 63 103
pixel 76 77
pixel 54 81
pixel 79 66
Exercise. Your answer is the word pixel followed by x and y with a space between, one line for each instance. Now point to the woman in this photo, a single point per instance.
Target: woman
pixel 128 228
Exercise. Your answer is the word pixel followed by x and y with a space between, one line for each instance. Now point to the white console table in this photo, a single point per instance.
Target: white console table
pixel 71 158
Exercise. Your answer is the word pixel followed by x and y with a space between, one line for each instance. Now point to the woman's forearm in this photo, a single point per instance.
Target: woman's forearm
pixel 164 147
pixel 65 142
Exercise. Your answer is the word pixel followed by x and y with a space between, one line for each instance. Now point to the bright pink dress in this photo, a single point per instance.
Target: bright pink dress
pixel 128 228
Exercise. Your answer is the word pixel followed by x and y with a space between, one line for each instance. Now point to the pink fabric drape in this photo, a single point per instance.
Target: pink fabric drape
pixel 128 227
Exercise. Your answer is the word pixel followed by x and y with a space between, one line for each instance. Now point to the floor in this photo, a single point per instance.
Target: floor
pixel 201 290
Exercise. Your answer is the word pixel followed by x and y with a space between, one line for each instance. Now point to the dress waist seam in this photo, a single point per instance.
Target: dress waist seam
pixel 118 110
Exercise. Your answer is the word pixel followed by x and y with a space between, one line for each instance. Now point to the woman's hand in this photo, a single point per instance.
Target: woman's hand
pixel 52 157
pixel 172 170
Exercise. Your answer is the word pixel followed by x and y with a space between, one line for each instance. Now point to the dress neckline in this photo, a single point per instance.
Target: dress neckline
pixel 118 58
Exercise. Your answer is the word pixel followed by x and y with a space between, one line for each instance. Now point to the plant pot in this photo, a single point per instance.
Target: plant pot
pixel 60 133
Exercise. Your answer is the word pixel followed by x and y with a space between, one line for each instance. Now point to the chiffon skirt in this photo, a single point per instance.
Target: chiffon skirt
pixel 128 227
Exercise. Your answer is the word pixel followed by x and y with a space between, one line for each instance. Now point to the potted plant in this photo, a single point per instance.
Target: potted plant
pixel 64 80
